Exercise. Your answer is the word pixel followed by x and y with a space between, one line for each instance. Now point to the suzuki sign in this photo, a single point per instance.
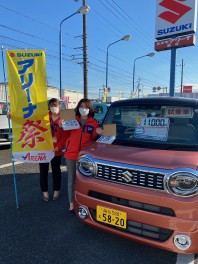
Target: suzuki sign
pixel 177 42
pixel 175 17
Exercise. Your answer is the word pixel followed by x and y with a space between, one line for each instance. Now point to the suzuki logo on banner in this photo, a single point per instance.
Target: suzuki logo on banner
pixel 176 10
pixel 175 17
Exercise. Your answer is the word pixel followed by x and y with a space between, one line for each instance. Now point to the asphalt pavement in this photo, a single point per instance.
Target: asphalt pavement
pixel 44 232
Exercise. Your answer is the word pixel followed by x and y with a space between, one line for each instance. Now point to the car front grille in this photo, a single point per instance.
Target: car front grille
pixel 4 133
pixel 4 136
pixel 132 204
pixel 130 176
pixel 140 229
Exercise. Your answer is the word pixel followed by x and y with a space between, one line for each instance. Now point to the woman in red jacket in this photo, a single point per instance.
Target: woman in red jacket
pixel 58 136
pixel 76 139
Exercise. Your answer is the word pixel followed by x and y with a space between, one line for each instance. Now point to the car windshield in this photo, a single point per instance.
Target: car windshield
pixel 155 126
pixel 3 108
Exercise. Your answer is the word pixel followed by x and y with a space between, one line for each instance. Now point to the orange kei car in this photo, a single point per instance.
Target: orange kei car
pixel 144 185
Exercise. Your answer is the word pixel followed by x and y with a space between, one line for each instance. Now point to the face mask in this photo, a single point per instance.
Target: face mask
pixel 83 111
pixel 54 109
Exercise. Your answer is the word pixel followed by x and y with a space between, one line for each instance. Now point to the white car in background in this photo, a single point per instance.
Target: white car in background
pixel 4 128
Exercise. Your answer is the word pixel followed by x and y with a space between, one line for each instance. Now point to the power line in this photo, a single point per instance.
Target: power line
pixel 139 28
pixel 30 18
pixel 41 23
pixel 103 18
pixel 57 53
pixel 127 63
pixel 30 35
pixel 55 57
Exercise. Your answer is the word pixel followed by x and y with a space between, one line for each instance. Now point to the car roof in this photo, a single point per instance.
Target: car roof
pixel 100 103
pixel 158 100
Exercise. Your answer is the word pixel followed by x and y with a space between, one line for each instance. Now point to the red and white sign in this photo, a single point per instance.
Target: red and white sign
pixel 179 112
pixel 178 42
pixel 175 17
pixel 187 89
pixel 65 100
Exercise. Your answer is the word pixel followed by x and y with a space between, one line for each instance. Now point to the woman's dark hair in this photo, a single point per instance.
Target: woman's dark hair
pixel 53 101
pixel 88 105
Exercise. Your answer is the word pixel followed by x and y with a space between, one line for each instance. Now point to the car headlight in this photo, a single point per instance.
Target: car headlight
pixel 86 166
pixel 183 184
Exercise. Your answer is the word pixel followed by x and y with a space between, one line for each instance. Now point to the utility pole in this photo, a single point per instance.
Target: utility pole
pixel 85 68
pixel 101 89
pixel 120 95
pixel 182 71
pixel 138 88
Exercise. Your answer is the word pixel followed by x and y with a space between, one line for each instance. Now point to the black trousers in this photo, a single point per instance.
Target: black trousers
pixel 56 173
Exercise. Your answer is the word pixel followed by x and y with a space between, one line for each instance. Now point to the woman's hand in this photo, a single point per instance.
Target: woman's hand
pixel 99 130
pixel 8 115
pixel 55 149
pixel 60 123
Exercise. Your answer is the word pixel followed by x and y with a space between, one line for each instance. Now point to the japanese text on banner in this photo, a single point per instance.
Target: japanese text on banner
pixel 32 139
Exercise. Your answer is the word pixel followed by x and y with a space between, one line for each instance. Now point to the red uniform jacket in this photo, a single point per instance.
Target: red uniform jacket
pixel 57 134
pixel 76 139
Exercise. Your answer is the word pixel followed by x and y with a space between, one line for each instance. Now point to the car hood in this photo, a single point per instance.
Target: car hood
pixel 155 158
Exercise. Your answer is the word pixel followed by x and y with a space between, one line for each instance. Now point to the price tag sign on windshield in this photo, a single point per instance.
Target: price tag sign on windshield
pixel 154 128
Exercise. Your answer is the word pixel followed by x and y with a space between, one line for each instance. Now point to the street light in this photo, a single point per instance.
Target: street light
pixel 82 10
pixel 126 38
pixel 149 55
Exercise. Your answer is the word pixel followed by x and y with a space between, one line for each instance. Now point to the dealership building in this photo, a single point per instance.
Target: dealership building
pixel 72 97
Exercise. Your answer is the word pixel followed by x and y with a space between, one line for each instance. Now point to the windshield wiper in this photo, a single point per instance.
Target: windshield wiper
pixel 132 143
pixel 182 146
pixel 155 145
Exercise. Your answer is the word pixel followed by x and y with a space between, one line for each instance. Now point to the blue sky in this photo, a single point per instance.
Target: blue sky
pixel 35 25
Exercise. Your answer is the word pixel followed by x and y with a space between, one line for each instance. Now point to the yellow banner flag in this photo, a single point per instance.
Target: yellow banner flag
pixel 32 139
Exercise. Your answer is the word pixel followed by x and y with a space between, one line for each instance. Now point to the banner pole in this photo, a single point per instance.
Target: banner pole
pixel 10 134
